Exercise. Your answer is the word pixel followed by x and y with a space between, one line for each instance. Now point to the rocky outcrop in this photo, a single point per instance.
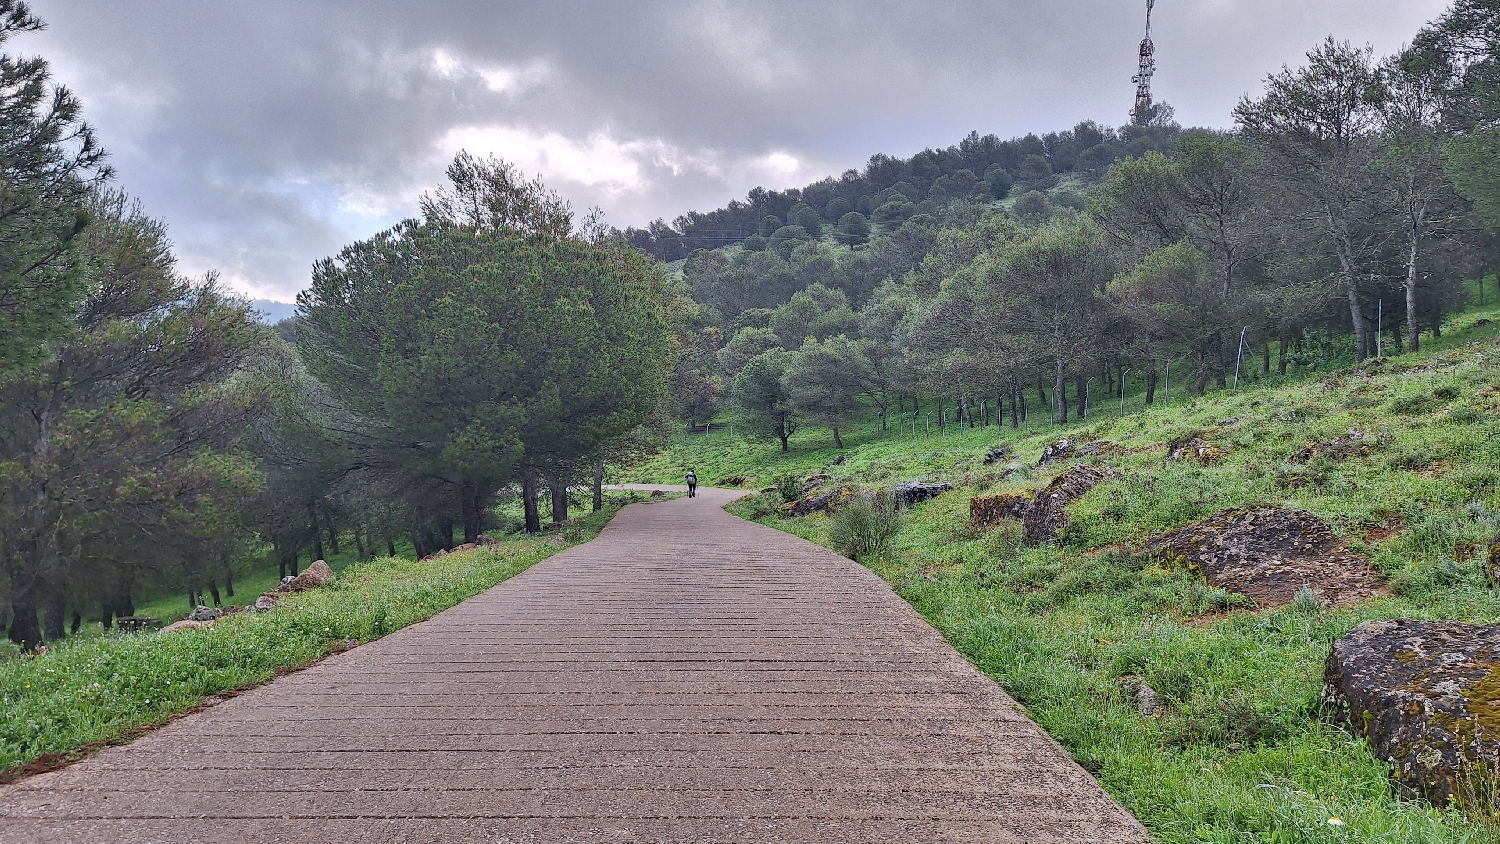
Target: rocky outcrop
pixel 996 454
pixel 134 623
pixel 1194 447
pixel 911 492
pixel 818 502
pixel 813 482
pixel 311 577
pixel 1047 516
pixel 1426 697
pixel 204 614
pixel 1267 554
pixel 1060 450
pixel 988 510
pixel 267 601
pixel 1356 443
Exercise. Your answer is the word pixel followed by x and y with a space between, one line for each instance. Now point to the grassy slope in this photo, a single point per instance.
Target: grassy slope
pixel 1241 754
pixel 98 689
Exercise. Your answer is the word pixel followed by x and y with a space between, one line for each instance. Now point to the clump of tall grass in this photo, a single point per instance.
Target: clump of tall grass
pixel 790 488
pixel 865 525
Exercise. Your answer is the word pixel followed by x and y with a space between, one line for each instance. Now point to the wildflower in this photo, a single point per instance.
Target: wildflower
pixel 1335 822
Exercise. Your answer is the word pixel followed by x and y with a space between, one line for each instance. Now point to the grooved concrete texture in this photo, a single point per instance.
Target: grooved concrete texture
pixel 687 677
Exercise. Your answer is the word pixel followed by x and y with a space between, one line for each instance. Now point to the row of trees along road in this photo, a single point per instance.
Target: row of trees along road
pixel 154 435
pixel 1353 197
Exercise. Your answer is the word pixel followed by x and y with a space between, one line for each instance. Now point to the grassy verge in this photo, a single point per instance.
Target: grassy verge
pixel 96 690
pixel 1240 754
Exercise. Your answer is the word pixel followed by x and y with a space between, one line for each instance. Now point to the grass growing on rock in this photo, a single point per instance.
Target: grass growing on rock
pixel 1240 752
pixel 99 689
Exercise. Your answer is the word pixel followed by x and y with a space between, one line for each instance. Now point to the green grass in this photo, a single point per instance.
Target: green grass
pixel 90 690
pixel 1241 753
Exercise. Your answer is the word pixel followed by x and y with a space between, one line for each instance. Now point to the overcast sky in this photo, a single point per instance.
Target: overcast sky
pixel 270 133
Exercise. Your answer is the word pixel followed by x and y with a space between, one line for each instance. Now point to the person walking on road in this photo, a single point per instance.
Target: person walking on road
pixel 692 480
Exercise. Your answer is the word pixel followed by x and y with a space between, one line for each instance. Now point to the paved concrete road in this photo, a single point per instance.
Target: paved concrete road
pixel 687 677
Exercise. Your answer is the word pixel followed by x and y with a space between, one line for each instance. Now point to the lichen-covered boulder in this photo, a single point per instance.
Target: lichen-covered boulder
pixel 818 502
pixel 185 624
pixel 911 492
pixel 203 613
pixel 1268 554
pixel 813 482
pixel 1047 514
pixel 1356 443
pixel 988 510
pixel 1425 695
pixel 1194 447
pixel 996 454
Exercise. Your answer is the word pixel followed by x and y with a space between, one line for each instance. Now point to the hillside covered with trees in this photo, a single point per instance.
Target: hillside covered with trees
pixel 1337 221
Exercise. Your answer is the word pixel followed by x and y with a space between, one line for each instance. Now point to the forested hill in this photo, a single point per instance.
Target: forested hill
pixel 976 166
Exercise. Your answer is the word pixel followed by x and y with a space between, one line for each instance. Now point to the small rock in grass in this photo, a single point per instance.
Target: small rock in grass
pixel 267 601
pixel 185 624
pixel 996 454
pixel 1425 696
pixel 818 502
pixel 1060 450
pixel 311 577
pixel 204 614
pixel 1144 698
pixel 467 546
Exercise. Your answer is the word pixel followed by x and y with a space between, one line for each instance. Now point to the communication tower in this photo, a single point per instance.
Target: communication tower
pixel 1142 79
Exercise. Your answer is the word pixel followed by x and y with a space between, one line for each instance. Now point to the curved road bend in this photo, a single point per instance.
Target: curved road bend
pixel 686 677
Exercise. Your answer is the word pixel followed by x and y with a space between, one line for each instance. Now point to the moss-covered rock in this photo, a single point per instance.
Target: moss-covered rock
pixel 1045 519
pixel 1268 554
pixel 1425 695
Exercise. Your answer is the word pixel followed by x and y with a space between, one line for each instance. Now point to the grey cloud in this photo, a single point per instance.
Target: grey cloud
pixel 269 134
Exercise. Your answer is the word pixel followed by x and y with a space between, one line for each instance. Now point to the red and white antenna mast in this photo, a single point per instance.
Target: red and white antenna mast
pixel 1142 79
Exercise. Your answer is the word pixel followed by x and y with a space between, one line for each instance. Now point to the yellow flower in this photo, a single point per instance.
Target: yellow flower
pixel 1335 822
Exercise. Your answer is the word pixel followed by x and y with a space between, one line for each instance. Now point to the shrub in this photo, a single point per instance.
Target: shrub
pixel 790 488
pixel 865 525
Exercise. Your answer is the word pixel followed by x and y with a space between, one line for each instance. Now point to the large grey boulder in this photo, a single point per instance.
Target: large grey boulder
pixel 1425 695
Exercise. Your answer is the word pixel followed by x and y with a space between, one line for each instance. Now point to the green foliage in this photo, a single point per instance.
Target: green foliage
pixel 865 525
pixel 51 162
pixel 789 487
pixel 853 230
pixel 93 690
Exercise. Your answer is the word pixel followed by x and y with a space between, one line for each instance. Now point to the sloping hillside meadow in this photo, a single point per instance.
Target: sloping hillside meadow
pixel 1240 751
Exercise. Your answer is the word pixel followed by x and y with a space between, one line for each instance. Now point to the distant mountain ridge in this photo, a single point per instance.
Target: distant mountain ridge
pixel 273 312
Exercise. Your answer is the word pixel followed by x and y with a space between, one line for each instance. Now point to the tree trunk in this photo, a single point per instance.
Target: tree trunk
pixel 390 546
pixel 470 501
pixel 213 589
pixel 228 573
pixel 359 543
pixel 25 631
pixel 599 485
pixel 1151 377
pixel 317 532
pixel 559 490
pixel 1060 393
pixel 77 622
pixel 1413 238
pixel 838 441
pixel 1015 419
pixel 785 435
pixel 1265 367
pixel 1081 384
pixel 529 492
pixel 57 619
pixel 333 534
pixel 1281 356
pixel 419 542
pixel 1356 313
